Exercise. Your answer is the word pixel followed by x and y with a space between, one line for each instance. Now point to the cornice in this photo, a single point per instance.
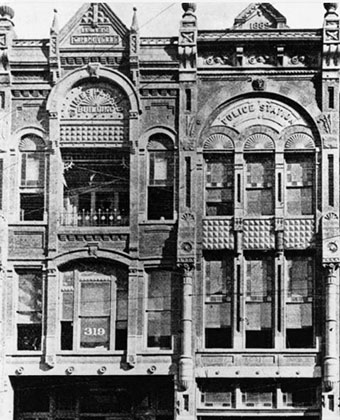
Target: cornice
pixel 283 34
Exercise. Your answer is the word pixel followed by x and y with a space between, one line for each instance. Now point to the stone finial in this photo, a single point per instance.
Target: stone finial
pixel 189 8
pixel 6 12
pixel 55 25
pixel 330 8
pixel 134 25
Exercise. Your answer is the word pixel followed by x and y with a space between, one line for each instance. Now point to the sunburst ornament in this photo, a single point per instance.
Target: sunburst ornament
pixel 218 141
pixel 95 102
pixel 300 141
pixel 259 141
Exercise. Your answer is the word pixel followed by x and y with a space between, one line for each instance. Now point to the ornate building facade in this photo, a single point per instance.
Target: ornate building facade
pixel 169 222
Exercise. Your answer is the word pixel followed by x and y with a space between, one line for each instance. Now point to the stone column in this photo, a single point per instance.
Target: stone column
pixel 51 317
pixel 185 361
pixel 331 356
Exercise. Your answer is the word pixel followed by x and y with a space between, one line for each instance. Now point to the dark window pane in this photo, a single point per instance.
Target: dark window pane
pixel 259 339
pixel 66 335
pixel 31 207
pixel 218 338
pixel 299 338
pixel 160 203
pixel 29 336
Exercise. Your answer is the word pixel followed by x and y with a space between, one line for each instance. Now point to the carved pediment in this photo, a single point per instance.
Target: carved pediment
pixel 94 25
pixel 260 16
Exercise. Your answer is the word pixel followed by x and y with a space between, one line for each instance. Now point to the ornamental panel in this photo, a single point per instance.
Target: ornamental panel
pixel 217 234
pixel 258 234
pixel 299 233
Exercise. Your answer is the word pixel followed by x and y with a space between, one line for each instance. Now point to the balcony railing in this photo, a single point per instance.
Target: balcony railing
pixel 93 218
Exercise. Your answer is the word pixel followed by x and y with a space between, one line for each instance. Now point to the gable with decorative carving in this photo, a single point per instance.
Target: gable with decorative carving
pixel 94 25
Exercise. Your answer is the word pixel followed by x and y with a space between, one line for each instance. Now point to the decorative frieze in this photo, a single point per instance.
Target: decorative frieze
pixel 158 92
pixel 29 94
pixel 80 134
pixel 105 60
pixel 103 237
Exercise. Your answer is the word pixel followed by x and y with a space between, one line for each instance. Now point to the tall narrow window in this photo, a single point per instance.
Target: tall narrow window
pixel 259 185
pixel 258 318
pixel 29 310
pixel 161 178
pixel 299 304
pixel 219 184
pixel 218 300
pixel 299 185
pixel 94 307
pixel 162 308
pixel 33 160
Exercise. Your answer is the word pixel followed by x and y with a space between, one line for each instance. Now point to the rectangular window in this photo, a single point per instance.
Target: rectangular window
pixel 258 318
pixel 259 185
pixel 299 185
pixel 161 306
pixel 29 310
pixel 32 206
pixel 219 185
pixel 96 189
pixel 218 300
pixel 95 299
pixel 32 169
pixel 161 181
pixel 299 304
pixel 94 304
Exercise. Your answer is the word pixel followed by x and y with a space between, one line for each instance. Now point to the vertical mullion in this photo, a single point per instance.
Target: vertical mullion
pixel 76 311
pixel 113 310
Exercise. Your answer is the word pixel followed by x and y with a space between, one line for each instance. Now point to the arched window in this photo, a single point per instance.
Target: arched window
pixel 94 301
pixel 161 178
pixel 32 183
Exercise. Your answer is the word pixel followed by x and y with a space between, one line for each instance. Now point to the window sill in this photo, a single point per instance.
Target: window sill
pixel 159 222
pixel 252 351
pixel 83 352
pixel 29 223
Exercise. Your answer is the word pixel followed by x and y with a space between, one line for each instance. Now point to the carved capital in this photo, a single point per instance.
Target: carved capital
pixel 330 268
pixel 186 266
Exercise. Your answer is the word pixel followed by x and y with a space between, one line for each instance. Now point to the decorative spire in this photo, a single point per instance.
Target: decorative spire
pixel 55 26
pixel 330 9
pixel 134 25
pixel 189 8
pixel 6 12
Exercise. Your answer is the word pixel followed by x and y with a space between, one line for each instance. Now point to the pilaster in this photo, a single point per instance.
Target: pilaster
pixel 330 210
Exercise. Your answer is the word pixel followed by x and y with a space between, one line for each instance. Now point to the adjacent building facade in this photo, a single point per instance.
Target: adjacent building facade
pixel 169 222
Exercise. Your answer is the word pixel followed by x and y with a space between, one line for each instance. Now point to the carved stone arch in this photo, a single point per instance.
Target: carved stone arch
pixel 269 109
pixel 32 138
pixel 218 142
pixel 112 256
pixel 147 140
pixel 60 90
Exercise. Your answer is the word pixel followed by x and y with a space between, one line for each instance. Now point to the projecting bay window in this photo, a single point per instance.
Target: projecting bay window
pixel 29 309
pixel 161 178
pixel 259 184
pixel 32 184
pixel 218 300
pixel 96 188
pixel 299 301
pixel 219 170
pixel 162 309
pixel 299 185
pixel 258 305
pixel 94 308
